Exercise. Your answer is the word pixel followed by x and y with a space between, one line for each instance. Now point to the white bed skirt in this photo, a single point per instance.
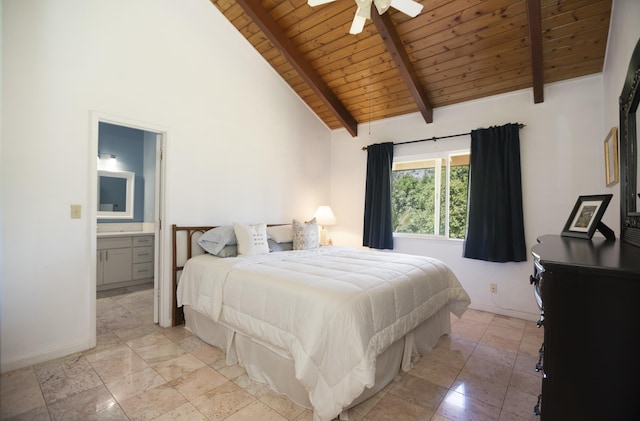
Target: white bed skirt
pixel 274 367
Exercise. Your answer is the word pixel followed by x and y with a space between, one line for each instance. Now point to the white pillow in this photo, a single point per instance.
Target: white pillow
pixel 305 235
pixel 252 239
pixel 214 240
pixel 281 233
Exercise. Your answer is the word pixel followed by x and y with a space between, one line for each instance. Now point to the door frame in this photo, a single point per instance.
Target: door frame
pixel 162 133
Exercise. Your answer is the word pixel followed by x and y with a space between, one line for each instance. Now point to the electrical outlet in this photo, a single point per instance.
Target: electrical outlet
pixel 493 288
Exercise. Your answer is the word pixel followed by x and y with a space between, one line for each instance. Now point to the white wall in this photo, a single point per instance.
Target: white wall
pixel 240 145
pixel 562 158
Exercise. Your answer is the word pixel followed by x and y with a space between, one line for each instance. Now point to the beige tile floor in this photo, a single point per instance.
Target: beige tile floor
pixel 483 370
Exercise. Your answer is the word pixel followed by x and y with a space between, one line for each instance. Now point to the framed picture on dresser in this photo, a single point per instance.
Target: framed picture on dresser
pixel 586 215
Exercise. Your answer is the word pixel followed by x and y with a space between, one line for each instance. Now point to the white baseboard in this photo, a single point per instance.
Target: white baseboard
pixel 26 361
pixel 506 312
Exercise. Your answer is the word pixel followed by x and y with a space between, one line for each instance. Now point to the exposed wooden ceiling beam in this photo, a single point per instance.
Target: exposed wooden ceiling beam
pixel 534 13
pixel 276 35
pixel 396 49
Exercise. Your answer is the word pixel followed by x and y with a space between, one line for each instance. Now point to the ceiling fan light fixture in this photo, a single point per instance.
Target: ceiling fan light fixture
pixel 408 7
pixel 382 5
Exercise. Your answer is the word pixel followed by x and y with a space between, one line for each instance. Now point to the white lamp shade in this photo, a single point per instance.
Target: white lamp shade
pixel 324 216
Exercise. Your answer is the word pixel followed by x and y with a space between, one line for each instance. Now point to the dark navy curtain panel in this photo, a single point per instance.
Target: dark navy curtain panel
pixel 378 221
pixel 495 229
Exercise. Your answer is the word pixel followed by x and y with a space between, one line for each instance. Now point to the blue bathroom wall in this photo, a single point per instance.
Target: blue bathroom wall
pixel 127 145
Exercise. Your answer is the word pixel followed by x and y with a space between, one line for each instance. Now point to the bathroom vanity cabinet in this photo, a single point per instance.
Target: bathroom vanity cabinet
pixel 124 260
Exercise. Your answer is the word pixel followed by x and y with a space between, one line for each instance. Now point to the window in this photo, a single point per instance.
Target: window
pixel 429 195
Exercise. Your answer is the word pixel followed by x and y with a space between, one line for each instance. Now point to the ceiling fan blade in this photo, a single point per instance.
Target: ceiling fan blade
pixel 408 7
pixel 357 25
pixel 313 3
pixel 362 14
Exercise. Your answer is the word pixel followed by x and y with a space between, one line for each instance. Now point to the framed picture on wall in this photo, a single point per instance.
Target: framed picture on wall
pixel 586 215
pixel 611 167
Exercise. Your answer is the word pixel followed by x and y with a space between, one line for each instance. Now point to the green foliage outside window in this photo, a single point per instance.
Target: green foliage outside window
pixel 458 195
pixel 414 200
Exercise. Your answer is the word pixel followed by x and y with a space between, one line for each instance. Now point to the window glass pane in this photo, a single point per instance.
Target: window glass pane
pixel 458 195
pixel 413 197
pixel 419 200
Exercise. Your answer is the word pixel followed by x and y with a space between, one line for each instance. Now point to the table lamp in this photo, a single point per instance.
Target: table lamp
pixel 324 216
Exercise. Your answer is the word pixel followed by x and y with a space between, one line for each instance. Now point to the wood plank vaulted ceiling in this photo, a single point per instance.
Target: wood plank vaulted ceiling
pixel 453 51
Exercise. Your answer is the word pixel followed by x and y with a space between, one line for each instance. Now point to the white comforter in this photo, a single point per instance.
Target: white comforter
pixel 333 309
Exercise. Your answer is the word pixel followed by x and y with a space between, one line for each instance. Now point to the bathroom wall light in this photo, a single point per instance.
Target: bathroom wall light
pixel 106 156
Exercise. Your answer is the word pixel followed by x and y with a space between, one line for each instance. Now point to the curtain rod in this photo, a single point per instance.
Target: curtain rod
pixel 364 148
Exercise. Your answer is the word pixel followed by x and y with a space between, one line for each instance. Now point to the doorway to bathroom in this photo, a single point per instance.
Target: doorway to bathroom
pixel 128 216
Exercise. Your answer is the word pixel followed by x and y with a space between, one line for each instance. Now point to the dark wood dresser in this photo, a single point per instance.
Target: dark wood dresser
pixel 590 294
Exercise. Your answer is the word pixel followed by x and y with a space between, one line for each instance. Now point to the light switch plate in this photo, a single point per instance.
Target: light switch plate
pixel 76 211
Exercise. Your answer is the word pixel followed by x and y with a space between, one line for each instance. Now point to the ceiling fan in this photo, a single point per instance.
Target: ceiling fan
pixel 408 7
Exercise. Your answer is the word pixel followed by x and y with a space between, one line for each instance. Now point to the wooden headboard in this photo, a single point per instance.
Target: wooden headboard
pixel 185 245
pixel 188 237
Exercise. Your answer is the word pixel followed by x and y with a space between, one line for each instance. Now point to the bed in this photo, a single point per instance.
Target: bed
pixel 327 326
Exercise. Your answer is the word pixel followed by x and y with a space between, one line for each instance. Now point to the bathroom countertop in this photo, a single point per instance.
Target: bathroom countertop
pixel 123 234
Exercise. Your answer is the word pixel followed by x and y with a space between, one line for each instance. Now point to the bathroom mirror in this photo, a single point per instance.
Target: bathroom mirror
pixel 115 194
